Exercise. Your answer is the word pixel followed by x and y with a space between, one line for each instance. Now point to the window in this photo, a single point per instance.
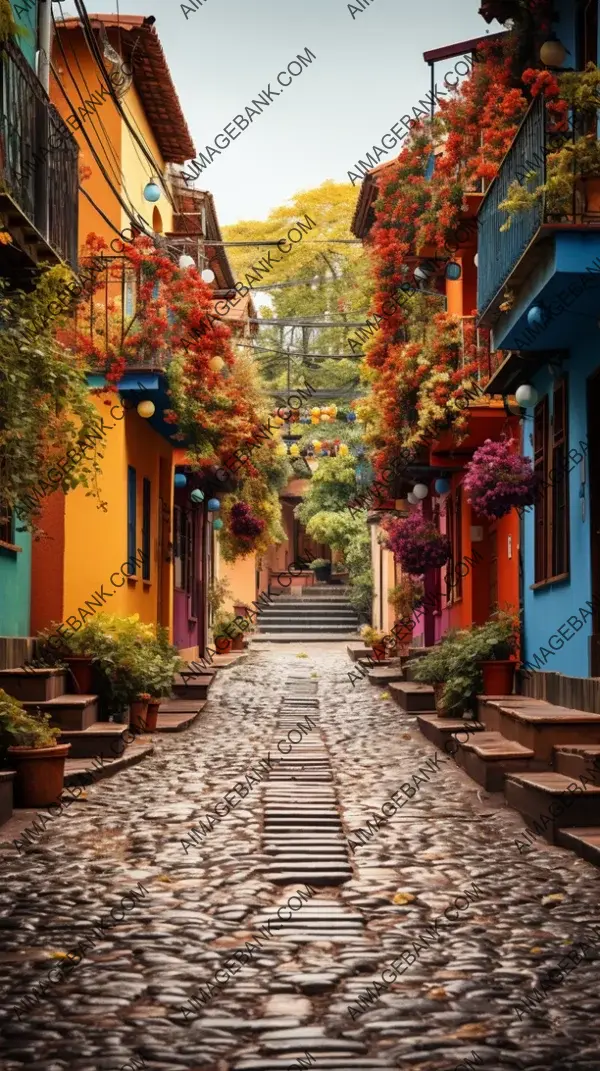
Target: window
pixel 132 519
pixel 551 512
pixel 146 500
pixel 454 532
pixel 7 529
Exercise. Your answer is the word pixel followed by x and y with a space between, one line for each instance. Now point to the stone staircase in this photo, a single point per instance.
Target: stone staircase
pixel 314 614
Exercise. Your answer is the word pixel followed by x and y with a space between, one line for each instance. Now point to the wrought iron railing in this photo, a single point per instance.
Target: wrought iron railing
pixel 38 155
pixel 499 251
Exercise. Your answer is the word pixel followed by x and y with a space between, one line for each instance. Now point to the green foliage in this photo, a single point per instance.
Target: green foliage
pixel 45 409
pixel 332 486
pixel 319 563
pixel 20 729
pixel 219 591
pixel 455 660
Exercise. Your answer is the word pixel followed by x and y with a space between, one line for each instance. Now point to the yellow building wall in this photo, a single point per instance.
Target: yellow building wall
pixel 138 171
pixel 96 540
pixel 242 580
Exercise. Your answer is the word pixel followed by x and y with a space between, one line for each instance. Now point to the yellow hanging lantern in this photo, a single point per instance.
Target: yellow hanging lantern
pixel 342 449
pixel 317 444
pixel 333 410
pixel 314 420
pixel 281 450
pixel 278 422
pixel 325 418
pixel 294 450
pixel 315 412
pixel 215 364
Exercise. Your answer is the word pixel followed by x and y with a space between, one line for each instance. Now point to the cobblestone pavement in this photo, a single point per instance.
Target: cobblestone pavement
pixel 459 994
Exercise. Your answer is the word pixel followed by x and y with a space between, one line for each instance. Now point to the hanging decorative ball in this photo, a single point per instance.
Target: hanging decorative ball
pixel 317 444
pixel 442 486
pixel 453 270
pixel 281 450
pixel 325 418
pixel 343 450
pixel 216 363
pixel 324 453
pixel 411 498
pixel 423 272
pixel 526 395
pixel 146 409
pixel 285 414
pixel 213 505
pixel 185 261
pixel 294 450
pixel 476 260
pixel 315 412
pixel 420 490
pixel 536 316
pixel 553 52
pixel 305 420
pixel 152 191
pixel 217 524
pixel 180 479
pixel 333 410
pixel 351 417
pixel 208 275
pixel 197 495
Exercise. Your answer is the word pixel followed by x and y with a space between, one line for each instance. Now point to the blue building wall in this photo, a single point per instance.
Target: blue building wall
pixel 15 587
pixel 547 608
pixel 25 14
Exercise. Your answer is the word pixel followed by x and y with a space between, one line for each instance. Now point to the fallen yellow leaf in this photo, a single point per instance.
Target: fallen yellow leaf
pixel 301 655
pixel 437 994
pixel 164 877
pixel 403 898
pixel 471 1030
pixel 553 898
pixel 56 954
pixel 385 695
pixel 535 950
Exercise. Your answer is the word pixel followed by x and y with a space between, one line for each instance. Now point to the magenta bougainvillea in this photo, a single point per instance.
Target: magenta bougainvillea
pixel 416 544
pixel 497 478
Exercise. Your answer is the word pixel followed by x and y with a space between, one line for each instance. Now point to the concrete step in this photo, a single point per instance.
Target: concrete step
pixel 413 697
pixel 538 725
pixel 357 650
pixel 6 795
pixel 33 685
pixel 324 621
pixel 584 841
pixel 301 637
pixel 552 801
pixel 69 712
pixel 386 674
pixel 488 758
pixel 102 738
pixel 439 730
pixel 192 686
pixel 578 760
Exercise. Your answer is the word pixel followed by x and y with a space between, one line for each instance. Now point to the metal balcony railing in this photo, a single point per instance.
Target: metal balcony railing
pixel 38 156
pixel 500 251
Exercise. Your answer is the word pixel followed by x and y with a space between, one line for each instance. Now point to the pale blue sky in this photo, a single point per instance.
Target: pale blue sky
pixel 369 71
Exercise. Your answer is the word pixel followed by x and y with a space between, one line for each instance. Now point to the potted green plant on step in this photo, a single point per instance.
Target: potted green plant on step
pixel 227 635
pixel 321 568
pixel 377 641
pixel 33 752
pixel 434 669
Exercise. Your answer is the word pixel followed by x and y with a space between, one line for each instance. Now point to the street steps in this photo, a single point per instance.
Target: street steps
pixel 102 738
pixel 538 725
pixel 386 674
pixel 358 650
pixel 413 697
pixel 308 617
pixel 488 758
pixel 540 798
pixel 33 685
pixel 192 685
pixel 68 712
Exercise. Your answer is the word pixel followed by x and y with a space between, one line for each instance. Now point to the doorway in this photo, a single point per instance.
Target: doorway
pixel 593 433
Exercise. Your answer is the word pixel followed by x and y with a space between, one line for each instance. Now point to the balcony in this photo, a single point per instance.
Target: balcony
pixel 39 175
pixel 547 247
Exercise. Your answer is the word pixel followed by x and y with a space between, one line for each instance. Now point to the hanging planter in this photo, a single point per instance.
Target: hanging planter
pixel 416 544
pixel 496 479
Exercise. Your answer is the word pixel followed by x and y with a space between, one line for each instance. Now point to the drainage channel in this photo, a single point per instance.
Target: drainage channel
pixel 304 844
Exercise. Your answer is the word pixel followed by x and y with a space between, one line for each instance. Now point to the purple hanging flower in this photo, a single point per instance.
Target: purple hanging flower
pixel 496 479
pixel 416 544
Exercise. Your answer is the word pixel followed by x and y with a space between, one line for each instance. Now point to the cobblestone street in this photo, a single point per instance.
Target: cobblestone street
pixel 457 996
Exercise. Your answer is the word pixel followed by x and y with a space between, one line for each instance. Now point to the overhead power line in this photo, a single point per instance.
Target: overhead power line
pixel 306 323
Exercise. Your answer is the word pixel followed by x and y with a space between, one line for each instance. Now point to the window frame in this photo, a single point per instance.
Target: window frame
pixel 552 536
pixel 146 528
pixel 132 520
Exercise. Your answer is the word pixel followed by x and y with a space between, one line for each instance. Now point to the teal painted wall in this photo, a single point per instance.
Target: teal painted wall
pixel 15 587
pixel 25 12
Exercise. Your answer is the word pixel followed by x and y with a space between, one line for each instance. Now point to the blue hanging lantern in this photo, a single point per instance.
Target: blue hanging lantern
pixel 180 479
pixel 324 453
pixel 351 417
pixel 536 316
pixel 442 487
pixel 213 505
pixel 197 496
pixel 217 524
pixel 152 192
pixel 453 270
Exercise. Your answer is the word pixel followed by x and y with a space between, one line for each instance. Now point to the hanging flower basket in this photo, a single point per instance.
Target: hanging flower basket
pixel 497 478
pixel 416 544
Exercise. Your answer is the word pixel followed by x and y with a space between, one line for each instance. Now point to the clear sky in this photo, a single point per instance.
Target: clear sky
pixel 369 72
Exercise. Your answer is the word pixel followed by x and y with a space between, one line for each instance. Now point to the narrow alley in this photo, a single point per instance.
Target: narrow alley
pixel 475 928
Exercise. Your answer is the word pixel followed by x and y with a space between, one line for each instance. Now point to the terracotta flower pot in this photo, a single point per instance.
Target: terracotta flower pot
pixel 240 609
pixel 238 643
pixel 138 712
pixel 498 676
pixel 40 774
pixel 152 715
pixel 223 644
pixel 82 670
pixel 379 652
pixel 438 691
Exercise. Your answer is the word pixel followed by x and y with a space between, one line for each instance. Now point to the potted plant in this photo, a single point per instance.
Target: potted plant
pixel 77 650
pixel 416 543
pixel 496 656
pixel 375 639
pixel 321 568
pixel 227 635
pixel 138 710
pixel 162 665
pixel 434 669
pixel 497 478
pixel 38 760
